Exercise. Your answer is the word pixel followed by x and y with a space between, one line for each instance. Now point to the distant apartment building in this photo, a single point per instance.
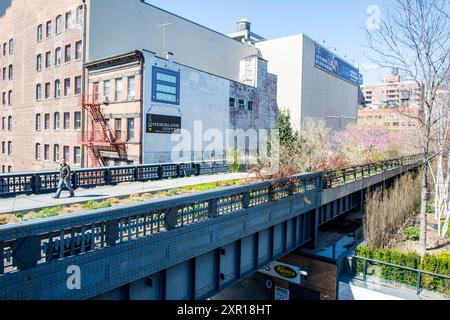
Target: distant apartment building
pixel 77 81
pixel 392 93
pixel 392 118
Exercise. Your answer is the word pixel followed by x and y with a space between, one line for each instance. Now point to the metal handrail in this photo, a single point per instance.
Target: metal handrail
pixel 420 273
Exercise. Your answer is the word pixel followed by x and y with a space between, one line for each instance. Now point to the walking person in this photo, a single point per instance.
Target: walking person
pixel 64 180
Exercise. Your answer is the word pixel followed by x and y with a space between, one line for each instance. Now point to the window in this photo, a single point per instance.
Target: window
pixel 130 129
pixel 10 123
pixel 47 60
pixel 4 98
pixel 4 49
pixel 77 155
pixel 66 153
pixel 11 46
pixel 57 88
pixel 4 73
pixel 250 105
pixel 46 152
pixel 38 92
pixel 118 128
pixel 47 91
pixel 3 147
pixel 10 98
pixel 56 152
pixel 39 63
pixel 79 15
pixel 3 123
pixel 232 102
pixel 77 120
pixel 57 56
pixel 38 122
pixel 37 155
pixel 66 124
pixel 66 87
pixel 241 103
pixel 58 23
pixel 47 121
pixel 166 86
pixel 131 88
pixel 56 121
pixel 10 72
pixel 118 90
pixel 9 148
pixel 68 20
pixel 49 29
pixel 107 88
pixel 67 53
pixel 77 89
pixel 39 33
pixel 9 169
pixel 78 50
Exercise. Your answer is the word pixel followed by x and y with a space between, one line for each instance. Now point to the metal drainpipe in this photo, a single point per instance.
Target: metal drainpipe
pixel 84 159
pixel 143 125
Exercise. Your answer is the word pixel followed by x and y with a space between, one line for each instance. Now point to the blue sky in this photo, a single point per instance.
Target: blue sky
pixel 340 23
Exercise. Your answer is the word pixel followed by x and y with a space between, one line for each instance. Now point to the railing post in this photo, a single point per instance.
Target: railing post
pixel 136 174
pixel 112 232
pixel 246 199
pixel 419 280
pixel 75 182
pixel 36 183
pixel 160 172
pixel 178 171
pixel 365 271
pixel 212 208
pixel 26 252
pixel 107 175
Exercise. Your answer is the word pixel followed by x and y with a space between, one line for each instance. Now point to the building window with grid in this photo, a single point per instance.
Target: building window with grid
pixel 48 57
pixel 68 20
pixel 250 105
pixel 232 103
pixel 10 123
pixel 46 152
pixel 166 86
pixel 131 88
pixel 118 129
pixel 38 122
pixel 118 90
pixel 39 62
pixel 79 15
pixel 38 92
pixel 58 24
pixel 4 73
pixel 56 121
pixel 4 49
pixel 241 103
pixel 39 33
pixel 67 53
pixel 56 152
pixel 77 120
pixel 77 85
pixel 130 129
pixel 107 89
pixel 3 123
pixel 47 121
pixel 66 87
pixel 57 88
pixel 66 123
pixel 57 56
pixel 10 98
pixel 9 148
pixel 37 154
pixel 77 155
pixel 11 46
pixel 47 91
pixel 48 29
pixel 4 98
pixel 78 50
pixel 10 72
pixel 66 153
pixel 3 147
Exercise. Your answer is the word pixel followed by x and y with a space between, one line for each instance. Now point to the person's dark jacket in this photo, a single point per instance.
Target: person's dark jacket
pixel 64 172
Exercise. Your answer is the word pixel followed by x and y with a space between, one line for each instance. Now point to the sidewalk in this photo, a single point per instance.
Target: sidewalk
pixel 35 202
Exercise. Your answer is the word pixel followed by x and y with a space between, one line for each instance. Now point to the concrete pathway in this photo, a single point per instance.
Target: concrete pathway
pixel 34 202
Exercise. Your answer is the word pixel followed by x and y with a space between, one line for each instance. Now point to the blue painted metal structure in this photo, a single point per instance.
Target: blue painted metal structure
pixel 185 247
pixel 15 184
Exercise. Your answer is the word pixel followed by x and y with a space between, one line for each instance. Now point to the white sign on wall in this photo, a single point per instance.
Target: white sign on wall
pixel 281 294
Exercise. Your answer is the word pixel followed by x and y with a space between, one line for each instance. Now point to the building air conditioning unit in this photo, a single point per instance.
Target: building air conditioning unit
pixel 105 100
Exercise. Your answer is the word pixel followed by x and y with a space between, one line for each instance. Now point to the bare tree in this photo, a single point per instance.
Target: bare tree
pixel 413 35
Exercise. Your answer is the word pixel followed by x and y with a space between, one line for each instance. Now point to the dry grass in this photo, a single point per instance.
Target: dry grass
pixel 388 211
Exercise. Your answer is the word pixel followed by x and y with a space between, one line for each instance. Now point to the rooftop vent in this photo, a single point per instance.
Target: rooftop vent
pixel 243 25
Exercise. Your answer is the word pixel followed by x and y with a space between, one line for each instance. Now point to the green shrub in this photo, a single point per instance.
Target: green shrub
pixel 439 264
pixel 19 215
pixel 50 212
pixel 430 208
pixel 94 205
pixel 412 233
pixel 2 221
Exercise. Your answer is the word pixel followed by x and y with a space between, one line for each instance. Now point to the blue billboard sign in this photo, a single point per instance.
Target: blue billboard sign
pixel 330 63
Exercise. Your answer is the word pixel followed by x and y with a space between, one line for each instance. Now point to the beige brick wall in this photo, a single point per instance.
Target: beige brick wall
pixel 20 23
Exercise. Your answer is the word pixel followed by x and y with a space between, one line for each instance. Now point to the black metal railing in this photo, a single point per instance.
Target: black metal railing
pixel 26 183
pixel 28 244
pixel 409 276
